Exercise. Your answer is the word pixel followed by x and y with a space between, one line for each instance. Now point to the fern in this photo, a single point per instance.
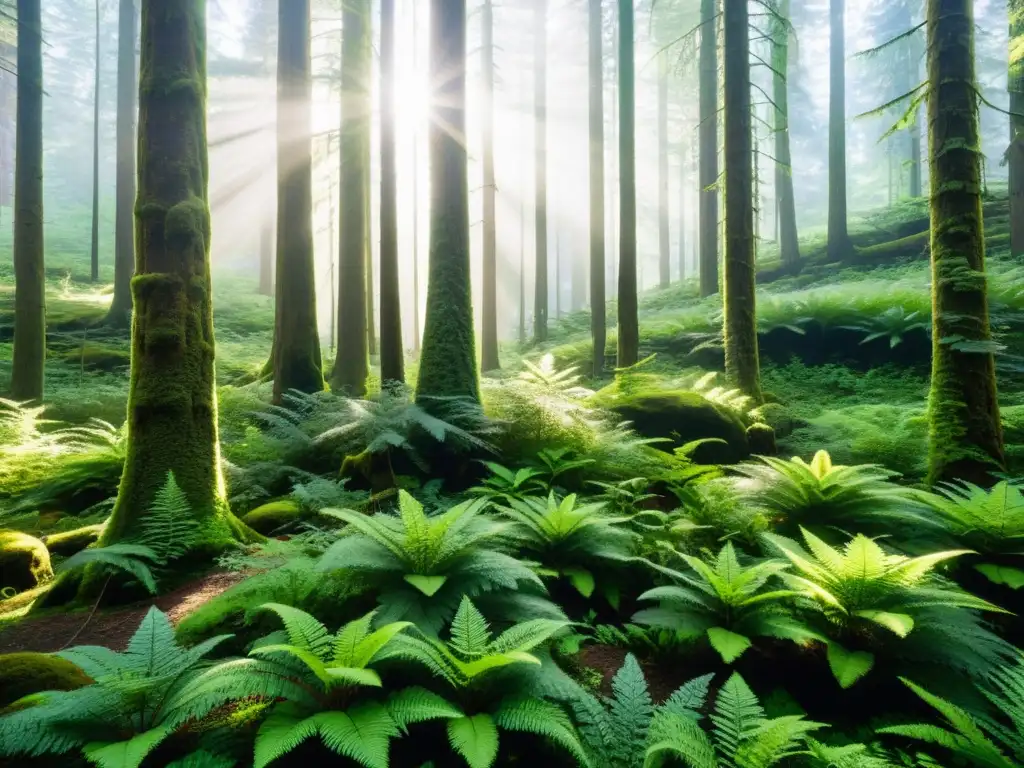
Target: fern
pixel 169 529
pixel 553 463
pixel 422 566
pixel 504 483
pixel 892 604
pixel 140 698
pixel 726 603
pixel 133 559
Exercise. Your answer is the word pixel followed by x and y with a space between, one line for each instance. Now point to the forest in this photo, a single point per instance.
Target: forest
pixel 473 383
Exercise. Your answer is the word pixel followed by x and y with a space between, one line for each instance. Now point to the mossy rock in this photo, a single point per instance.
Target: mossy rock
pixel 684 417
pixel 761 438
pixel 72 542
pixel 779 418
pixel 22 674
pixel 274 516
pixel 99 357
pixel 24 561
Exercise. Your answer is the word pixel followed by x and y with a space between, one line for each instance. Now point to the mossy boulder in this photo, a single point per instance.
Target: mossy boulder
pixel 24 561
pixel 274 516
pixel 71 543
pixel 683 417
pixel 761 438
pixel 22 674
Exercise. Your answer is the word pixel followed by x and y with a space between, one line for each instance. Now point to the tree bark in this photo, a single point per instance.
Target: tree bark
pixel 29 274
pixel 489 336
pixel 789 241
pixel 540 85
pixel 124 235
pixel 172 401
pixel 1015 154
pixel 392 350
pixel 965 434
pixel 838 236
pixel 448 364
pixel 94 241
pixel 741 357
pixel 708 148
pixel 598 331
pixel 664 230
pixel 352 364
pixel 629 328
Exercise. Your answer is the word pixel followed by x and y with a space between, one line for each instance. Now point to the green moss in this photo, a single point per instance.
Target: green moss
pixel 99 357
pixel 72 542
pixel 24 561
pixel 761 438
pixel 683 417
pixel 22 674
pixel 274 516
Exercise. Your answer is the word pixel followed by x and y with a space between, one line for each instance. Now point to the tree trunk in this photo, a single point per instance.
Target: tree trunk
pixel 172 400
pixel 540 300
pixel 371 294
pixel 789 241
pixel 448 364
pixel 392 350
pixel 489 337
pixel 664 231
pixel 1015 155
pixel 708 149
pixel 965 434
pixel 914 74
pixel 352 364
pixel 29 274
pixel 629 328
pixel 598 330
pixel 297 362
pixel 94 241
pixel 124 236
pixel 741 359
pixel 838 237
pixel 682 210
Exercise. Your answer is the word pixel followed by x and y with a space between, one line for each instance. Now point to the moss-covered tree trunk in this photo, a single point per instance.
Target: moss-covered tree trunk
pixel 741 358
pixel 629 326
pixel 966 440
pixel 29 275
pixel 448 363
pixel 297 361
pixel 489 335
pixel 124 224
pixel 94 240
pixel 789 242
pixel 664 232
pixel 598 330
pixel 540 105
pixel 838 235
pixel 172 405
pixel 392 350
pixel 1015 155
pixel 352 364
pixel 708 148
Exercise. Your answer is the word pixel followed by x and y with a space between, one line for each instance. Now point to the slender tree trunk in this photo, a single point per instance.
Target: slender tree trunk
pixel 352 364
pixel 664 230
pixel 124 236
pixel 448 364
pixel 489 336
pixel 172 400
pixel 682 210
pixel 965 434
pixel 1015 155
pixel 558 272
pixel 789 241
pixel 838 237
pixel 914 72
pixel 29 274
pixel 371 293
pixel 598 330
pixel 392 350
pixel 94 251
pixel 297 362
pixel 267 258
pixel 540 64
pixel 708 148
pixel 415 195
pixel 629 328
pixel 741 358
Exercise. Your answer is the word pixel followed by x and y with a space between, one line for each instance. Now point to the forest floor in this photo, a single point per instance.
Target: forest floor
pixel 110 628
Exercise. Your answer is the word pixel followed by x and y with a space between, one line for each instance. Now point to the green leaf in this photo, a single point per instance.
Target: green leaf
pixel 126 754
pixel 730 646
pixel 900 623
pixel 848 666
pixel 475 738
pixel 428 585
pixel 1002 574
pixel 354 676
pixel 581 579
